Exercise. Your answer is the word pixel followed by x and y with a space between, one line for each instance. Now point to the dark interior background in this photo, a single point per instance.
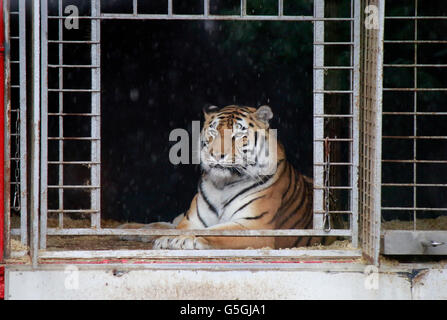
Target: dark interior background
pixel 427 101
pixel 158 75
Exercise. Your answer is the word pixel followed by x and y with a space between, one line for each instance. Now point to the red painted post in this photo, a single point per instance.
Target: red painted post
pixel 2 139
pixel 2 130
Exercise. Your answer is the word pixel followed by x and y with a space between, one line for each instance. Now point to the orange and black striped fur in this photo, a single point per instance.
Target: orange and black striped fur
pixel 244 185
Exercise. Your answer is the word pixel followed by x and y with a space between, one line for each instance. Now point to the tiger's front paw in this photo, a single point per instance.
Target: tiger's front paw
pixel 180 242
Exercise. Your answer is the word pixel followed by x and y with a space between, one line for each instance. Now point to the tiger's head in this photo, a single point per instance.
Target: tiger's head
pixel 238 141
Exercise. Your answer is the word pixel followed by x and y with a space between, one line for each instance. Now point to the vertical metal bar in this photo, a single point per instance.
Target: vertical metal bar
pixel 23 129
pixel 44 125
pixel 135 7
pixel 95 120
pixel 5 133
pixel 169 7
pixel 280 8
pixel 415 96
pixel 318 126
pixel 61 118
pixel 355 107
pixel 206 7
pixel 35 132
pixel 376 174
pixel 243 8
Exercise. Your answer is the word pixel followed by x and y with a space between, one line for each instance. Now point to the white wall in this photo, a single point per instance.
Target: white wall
pixel 221 282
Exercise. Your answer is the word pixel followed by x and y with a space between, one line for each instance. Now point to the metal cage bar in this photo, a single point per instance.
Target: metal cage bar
pixel 323 188
pixel 355 110
pixel 35 132
pixel 96 109
pixel 60 117
pixel 318 87
pixel 415 114
pixel 94 19
pixel 23 126
pixel 93 116
pixel 43 124
pixel 412 238
pixel 370 132
pixel 18 111
pixel 5 125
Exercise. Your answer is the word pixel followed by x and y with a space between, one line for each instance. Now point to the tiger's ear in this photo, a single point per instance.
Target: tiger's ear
pixel 264 113
pixel 208 110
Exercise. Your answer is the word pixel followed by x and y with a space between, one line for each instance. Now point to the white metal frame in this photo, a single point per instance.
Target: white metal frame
pixel 17 107
pixel 39 143
pixel 414 241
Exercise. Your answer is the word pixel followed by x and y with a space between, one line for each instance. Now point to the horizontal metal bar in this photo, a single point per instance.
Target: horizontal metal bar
pixel 15 231
pixel 333 67
pixel 335 212
pixel 412 65
pixel 200 232
pixel 333 187
pixel 332 91
pixel 414 185
pixel 72 66
pixel 413 209
pixel 415 161
pixel 75 162
pixel 416 41
pixel 72 211
pixel 333 115
pixel 72 187
pixel 73 90
pixel 63 114
pixel 73 42
pixel 416 18
pixel 73 138
pixel 334 140
pixel 417 113
pixel 333 43
pixel 415 89
pixel 125 16
pixel 333 163
pixel 182 254
pixel 416 137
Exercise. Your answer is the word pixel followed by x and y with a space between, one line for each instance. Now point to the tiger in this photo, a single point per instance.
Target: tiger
pixel 245 184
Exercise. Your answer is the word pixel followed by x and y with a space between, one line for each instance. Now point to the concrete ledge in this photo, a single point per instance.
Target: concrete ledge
pixel 326 281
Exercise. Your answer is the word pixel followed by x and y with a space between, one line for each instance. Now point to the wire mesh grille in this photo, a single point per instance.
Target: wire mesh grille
pixel 414 136
pixel 335 118
pixel 17 119
pixel 370 132
pixel 70 143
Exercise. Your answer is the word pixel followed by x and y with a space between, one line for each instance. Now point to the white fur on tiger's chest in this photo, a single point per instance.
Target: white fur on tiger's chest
pixel 226 201
pixel 218 199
